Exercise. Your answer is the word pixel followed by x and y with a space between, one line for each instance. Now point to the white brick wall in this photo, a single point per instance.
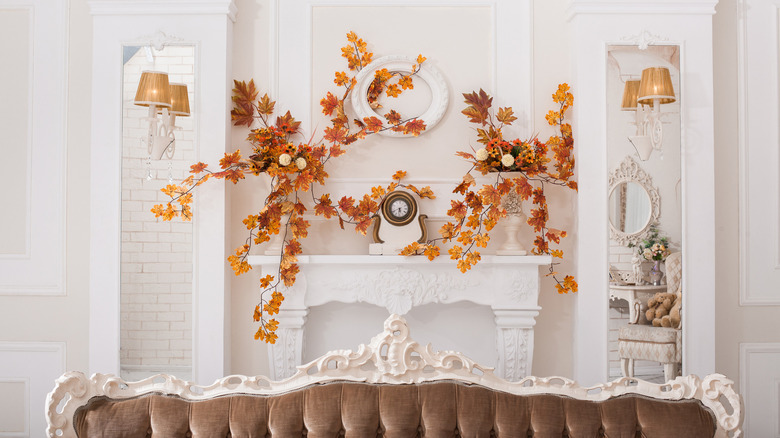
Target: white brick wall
pixel 156 301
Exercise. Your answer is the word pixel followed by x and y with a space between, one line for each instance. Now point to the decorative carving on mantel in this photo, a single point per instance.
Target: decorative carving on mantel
pixel 644 39
pixel 509 285
pixel 158 40
pixel 400 289
pixel 522 287
pixel 629 171
pixel 392 357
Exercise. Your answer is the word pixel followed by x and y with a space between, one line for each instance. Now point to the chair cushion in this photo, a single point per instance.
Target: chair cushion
pixel 642 342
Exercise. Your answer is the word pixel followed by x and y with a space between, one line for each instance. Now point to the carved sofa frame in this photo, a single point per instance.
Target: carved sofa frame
pixel 391 387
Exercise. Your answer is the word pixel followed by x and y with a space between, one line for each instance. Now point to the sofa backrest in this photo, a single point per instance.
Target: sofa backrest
pixel 392 387
pixel 441 409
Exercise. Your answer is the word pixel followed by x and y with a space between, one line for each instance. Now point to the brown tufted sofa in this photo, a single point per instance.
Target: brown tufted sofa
pixel 392 388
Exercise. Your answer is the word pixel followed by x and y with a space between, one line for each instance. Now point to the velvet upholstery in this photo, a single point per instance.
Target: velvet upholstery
pixel 360 410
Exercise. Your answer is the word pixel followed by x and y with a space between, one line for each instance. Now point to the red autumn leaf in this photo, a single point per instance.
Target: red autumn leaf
pixel 479 104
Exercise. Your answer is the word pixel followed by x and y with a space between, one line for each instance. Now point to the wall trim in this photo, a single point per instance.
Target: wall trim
pixel 41 271
pixel 37 364
pixel 746 297
pixel 748 352
pixel 164 7
pixel 510 35
pixel 647 7
pixel 25 432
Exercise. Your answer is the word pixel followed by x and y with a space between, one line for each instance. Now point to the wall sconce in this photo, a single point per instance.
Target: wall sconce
pixel 167 100
pixel 645 98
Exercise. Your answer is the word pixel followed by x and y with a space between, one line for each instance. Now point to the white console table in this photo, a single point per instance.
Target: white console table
pixel 509 285
pixel 636 296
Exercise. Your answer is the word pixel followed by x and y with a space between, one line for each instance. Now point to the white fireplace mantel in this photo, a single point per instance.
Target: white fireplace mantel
pixel 509 285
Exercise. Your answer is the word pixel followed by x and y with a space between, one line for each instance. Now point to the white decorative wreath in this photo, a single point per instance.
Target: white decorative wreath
pixel 440 95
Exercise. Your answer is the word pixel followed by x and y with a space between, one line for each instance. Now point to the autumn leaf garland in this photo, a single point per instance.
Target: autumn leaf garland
pixel 479 209
pixel 297 170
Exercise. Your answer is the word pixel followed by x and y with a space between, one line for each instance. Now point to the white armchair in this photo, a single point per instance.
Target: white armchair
pixel 657 344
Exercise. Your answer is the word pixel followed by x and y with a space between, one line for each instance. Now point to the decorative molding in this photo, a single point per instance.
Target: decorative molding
pixel 163 7
pixel 629 171
pixel 25 432
pixel 628 7
pixel 514 345
pixel 440 94
pixel 284 352
pixel 158 40
pixel 759 377
pixel 41 270
pixel 392 357
pixel 39 363
pixel 644 39
pixel 522 287
pixel 208 26
pixel 758 107
pixel 399 289
pixel 508 284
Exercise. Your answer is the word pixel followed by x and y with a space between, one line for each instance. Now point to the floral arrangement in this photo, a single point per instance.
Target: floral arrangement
pixel 297 171
pixel 655 247
pixel 481 207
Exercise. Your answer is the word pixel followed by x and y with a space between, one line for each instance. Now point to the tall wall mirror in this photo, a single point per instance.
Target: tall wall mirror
pixel 156 256
pixel 645 219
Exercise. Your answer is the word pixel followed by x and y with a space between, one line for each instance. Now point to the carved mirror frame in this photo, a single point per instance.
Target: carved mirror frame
pixel 629 171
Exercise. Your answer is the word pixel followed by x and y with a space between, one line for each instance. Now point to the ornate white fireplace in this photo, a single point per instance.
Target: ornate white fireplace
pixel 509 285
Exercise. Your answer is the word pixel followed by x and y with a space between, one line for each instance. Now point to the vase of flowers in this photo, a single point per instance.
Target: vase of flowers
pixel 655 249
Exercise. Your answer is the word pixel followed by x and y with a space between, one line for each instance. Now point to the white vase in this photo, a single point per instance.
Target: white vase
pixel 512 224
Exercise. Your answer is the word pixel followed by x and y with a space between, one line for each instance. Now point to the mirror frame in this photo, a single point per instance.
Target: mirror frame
pixel 629 171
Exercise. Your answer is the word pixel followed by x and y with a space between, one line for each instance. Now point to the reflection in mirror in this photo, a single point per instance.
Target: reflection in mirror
pixel 643 153
pixel 156 270
pixel 629 207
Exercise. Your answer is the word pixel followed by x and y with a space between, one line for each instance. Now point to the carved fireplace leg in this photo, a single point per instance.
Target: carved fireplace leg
pixel 287 353
pixel 514 342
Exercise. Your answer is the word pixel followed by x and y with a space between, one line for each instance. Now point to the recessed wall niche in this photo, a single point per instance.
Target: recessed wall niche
pixel 660 172
pixel 156 256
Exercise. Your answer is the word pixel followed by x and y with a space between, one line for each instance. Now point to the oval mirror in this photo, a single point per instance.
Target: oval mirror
pixel 629 207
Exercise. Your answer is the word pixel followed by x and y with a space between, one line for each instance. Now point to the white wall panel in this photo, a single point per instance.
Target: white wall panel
pixel 35 365
pixel 15 25
pixel 759 104
pixel 759 374
pixel 33 263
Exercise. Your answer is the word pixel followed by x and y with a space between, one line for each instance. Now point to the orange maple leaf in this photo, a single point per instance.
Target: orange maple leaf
pixel 414 127
pixel 329 103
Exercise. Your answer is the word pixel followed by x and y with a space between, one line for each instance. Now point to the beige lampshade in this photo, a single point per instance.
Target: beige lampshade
pixel 656 84
pixel 630 93
pixel 153 89
pixel 180 102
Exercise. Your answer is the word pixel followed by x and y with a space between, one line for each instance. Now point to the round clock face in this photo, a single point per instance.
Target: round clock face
pixel 399 208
